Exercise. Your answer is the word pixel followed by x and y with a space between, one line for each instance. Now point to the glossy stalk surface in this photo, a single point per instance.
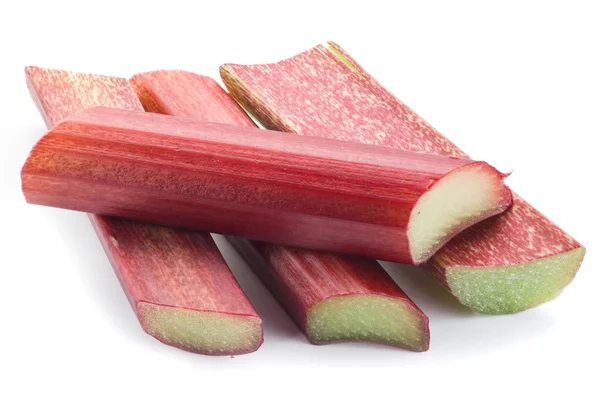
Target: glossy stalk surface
pixel 271 186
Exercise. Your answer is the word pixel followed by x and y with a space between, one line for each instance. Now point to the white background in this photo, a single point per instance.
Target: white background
pixel 516 84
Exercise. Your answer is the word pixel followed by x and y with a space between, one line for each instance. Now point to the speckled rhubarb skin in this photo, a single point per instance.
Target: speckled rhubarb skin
pixel 325 92
pixel 264 185
pixel 299 279
pixel 154 264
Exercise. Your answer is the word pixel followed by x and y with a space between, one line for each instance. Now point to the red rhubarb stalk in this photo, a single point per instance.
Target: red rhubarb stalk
pixel 332 298
pixel 177 282
pixel 271 186
pixel 506 264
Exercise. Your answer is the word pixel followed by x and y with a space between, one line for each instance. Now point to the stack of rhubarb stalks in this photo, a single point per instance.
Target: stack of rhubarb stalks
pixel 345 174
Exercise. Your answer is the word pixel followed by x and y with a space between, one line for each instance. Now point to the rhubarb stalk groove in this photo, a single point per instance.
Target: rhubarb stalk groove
pixel 177 282
pixel 505 264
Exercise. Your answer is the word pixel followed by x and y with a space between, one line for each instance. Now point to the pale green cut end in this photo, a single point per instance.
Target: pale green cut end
pixel 210 333
pixel 368 318
pixel 511 289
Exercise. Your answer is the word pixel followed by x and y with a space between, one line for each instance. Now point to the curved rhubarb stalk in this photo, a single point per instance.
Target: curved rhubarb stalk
pixel 335 298
pixel 265 185
pixel 332 298
pixel 177 282
pixel 505 264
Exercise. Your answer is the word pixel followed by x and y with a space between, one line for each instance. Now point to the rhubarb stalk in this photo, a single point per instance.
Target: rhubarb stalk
pixel 177 282
pixel 505 264
pixel 332 298
pixel 270 186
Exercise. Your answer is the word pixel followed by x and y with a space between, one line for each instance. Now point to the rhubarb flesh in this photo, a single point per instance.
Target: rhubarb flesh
pixel 214 333
pixel 510 289
pixel 366 318
pixel 505 264
pixel 332 298
pixel 259 184
pixel 177 282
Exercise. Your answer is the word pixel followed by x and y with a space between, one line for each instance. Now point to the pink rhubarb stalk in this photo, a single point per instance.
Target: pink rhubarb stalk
pixel 332 298
pixel 270 186
pixel 505 264
pixel 177 282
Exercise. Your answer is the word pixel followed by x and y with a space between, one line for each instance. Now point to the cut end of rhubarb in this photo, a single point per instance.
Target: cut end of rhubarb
pixel 368 318
pixel 511 289
pixel 460 199
pixel 203 332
